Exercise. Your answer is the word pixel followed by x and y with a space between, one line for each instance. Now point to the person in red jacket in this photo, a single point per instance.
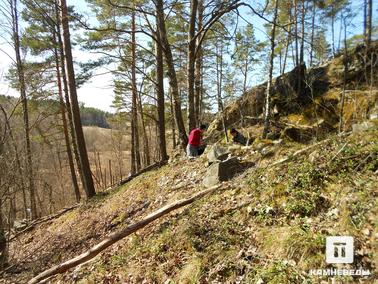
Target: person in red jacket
pixel 195 145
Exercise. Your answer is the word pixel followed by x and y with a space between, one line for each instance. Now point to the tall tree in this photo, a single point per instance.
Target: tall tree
pixel 65 124
pixel 22 86
pixel 191 63
pixel 87 175
pixel 270 74
pixel 332 10
pixel 368 21
pixel 312 32
pixel 301 72
pixel 198 83
pixel 219 69
pixel 160 97
pixel 247 48
pixel 171 73
pixel 134 111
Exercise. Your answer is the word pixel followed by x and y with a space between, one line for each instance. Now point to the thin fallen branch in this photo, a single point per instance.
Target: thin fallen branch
pixel 114 237
pixel 301 151
pixel 142 171
pixel 44 219
pixel 297 153
pixel 338 152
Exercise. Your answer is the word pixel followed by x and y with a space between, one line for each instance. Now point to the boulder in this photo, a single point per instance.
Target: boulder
pixel 364 126
pixel 313 156
pixel 19 225
pixel 216 154
pixel 267 151
pixel 222 171
pixel 373 113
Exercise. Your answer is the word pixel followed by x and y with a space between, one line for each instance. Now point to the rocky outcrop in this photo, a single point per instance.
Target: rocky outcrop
pixel 319 98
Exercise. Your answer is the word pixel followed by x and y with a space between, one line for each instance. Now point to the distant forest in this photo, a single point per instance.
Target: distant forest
pixel 89 116
pixel 94 117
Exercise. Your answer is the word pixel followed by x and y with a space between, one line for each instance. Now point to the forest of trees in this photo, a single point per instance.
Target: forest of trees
pixel 173 63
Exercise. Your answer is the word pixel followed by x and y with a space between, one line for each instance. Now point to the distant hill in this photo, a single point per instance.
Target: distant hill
pixel 94 117
pixel 89 116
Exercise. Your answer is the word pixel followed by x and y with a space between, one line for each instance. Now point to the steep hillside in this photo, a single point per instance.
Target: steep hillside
pixel 267 225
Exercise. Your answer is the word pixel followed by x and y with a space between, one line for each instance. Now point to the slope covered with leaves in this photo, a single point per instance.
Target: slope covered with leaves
pixel 268 225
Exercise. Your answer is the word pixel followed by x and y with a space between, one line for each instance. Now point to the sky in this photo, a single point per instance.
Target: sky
pixel 97 92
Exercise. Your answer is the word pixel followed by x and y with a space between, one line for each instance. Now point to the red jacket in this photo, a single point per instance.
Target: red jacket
pixel 195 137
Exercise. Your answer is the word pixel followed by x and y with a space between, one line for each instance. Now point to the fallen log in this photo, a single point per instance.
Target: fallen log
pixel 114 237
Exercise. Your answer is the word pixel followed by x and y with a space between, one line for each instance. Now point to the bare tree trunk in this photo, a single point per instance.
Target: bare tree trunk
pixel 365 18
pixel 340 35
pixel 3 240
pixel 171 74
pixel 134 96
pixel 296 31
pixel 288 39
pixel 312 32
pixel 191 62
pixel 269 84
pixel 21 78
pixel 67 99
pixel 198 66
pixel 300 67
pixel 333 32
pixel 369 17
pixel 82 150
pixel 18 161
pixel 341 124
pixel 245 75
pixel 303 15
pixel 160 98
pixel 58 170
pixel 65 126
pixel 219 66
pixel 286 53
pixel 133 168
pixel 173 123
pixel 146 147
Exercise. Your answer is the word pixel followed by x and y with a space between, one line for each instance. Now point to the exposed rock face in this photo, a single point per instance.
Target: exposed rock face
pixel 222 171
pixel 248 107
pixel 319 98
pixel 299 133
pixel 305 133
